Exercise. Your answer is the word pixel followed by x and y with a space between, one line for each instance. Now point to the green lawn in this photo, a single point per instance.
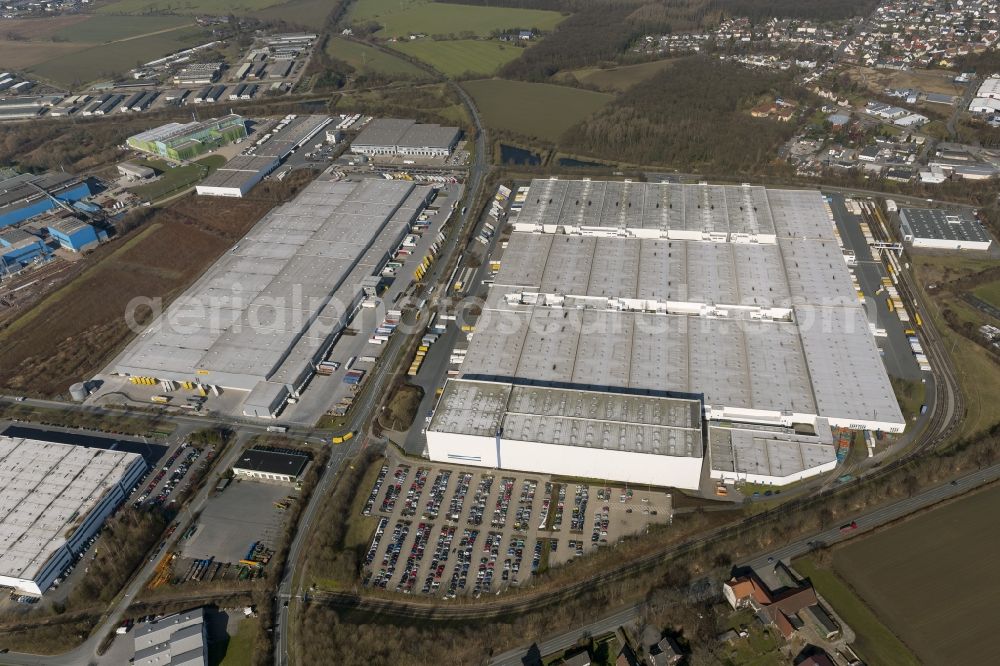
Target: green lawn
pixel 99 29
pixel 175 179
pixel 989 292
pixel 399 18
pixel 461 56
pixel 533 109
pixel 367 59
pixel 106 60
pixel 621 78
pixel 187 6
pixel 875 643
pixel 239 650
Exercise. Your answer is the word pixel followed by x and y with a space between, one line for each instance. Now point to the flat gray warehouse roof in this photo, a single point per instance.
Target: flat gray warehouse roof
pixel 46 490
pixel 269 305
pixel 765 331
pixel 767 451
pixel 940 224
pixel 607 420
pixel 400 133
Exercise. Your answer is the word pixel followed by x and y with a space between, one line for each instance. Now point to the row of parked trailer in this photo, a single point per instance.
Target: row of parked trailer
pixel 434 331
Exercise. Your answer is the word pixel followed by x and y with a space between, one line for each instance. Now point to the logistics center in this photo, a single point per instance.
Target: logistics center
pixel 272 307
pixel 54 498
pixel 735 299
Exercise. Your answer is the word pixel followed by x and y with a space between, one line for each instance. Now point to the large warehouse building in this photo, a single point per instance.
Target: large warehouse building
pixel 938 229
pixel 238 176
pixel 24 195
pixel 734 296
pixel 405 138
pixel 184 141
pixel 54 497
pixel 270 309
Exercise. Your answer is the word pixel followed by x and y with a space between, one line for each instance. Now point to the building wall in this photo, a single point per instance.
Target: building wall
pixel 263 476
pixel 82 239
pixel 939 244
pixel 541 458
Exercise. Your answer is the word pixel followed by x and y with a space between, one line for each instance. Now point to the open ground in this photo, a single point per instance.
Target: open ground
pixel 400 18
pixel 932 579
pixel 71 333
pixel 367 59
pixel 924 80
pixel 461 56
pixel 533 109
pixel 616 79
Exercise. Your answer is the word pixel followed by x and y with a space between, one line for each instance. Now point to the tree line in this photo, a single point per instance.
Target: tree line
pixel 693 116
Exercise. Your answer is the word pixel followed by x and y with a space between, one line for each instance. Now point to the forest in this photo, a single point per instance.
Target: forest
pixel 693 116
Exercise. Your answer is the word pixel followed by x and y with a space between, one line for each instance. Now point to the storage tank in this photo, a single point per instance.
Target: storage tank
pixel 78 391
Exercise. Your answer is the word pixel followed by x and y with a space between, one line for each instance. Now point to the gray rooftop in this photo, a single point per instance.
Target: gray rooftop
pixel 593 419
pixel 240 170
pixel 266 307
pixel 174 640
pixel 940 224
pixel 768 451
pixel 776 328
pixel 16 190
pixel 400 133
pixel 46 491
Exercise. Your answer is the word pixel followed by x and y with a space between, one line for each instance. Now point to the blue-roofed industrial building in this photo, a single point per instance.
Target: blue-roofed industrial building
pixel 20 198
pixel 76 235
pixel 18 249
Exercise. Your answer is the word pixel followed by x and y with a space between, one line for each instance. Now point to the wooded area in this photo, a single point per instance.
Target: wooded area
pixel 692 116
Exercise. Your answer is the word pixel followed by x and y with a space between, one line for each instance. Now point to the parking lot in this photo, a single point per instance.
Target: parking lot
pixel 245 513
pixel 445 530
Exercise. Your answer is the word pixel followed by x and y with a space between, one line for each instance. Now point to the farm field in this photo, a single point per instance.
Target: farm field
pixel 616 79
pixel 100 29
pixel 533 109
pixel 367 59
pixel 944 556
pixel 26 43
pixel 462 56
pixel 400 18
pixel 91 63
pixel 309 14
pixel 187 6
pixel 924 80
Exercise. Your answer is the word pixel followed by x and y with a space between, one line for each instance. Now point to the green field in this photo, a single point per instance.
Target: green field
pixel 238 651
pixel 399 18
pixel 187 6
pixel 175 179
pixel 989 292
pixel 100 29
pixel 621 78
pixel 533 109
pixel 310 14
pixel 368 59
pixel 931 580
pixel 462 56
pixel 115 58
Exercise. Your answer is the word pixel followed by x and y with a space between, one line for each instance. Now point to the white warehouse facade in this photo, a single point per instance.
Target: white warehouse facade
pixel 558 431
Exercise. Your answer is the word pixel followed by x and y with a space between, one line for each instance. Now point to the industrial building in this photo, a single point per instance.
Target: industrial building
pixel 174 640
pixel 184 141
pixel 405 138
pixel 271 308
pixel 198 73
pixel 591 434
pixel 18 249
pixel 271 465
pixel 55 497
pixel 135 171
pixel 736 297
pixel 76 235
pixel 940 229
pixel 26 195
pixel 768 455
pixel 238 176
